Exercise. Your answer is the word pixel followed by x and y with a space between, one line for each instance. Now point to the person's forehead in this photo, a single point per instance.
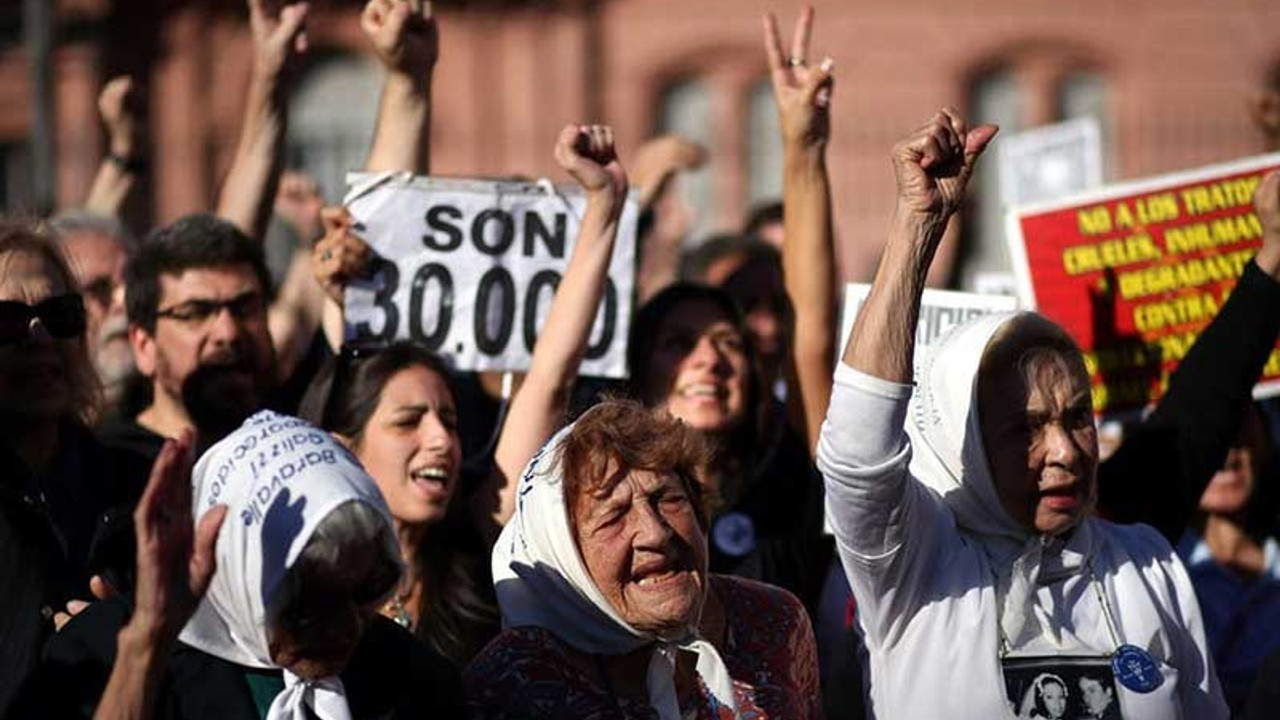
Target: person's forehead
pixel 619 488
pixel 415 384
pixel 223 282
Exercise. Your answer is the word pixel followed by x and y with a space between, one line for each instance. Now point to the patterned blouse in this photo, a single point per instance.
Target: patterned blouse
pixel 528 673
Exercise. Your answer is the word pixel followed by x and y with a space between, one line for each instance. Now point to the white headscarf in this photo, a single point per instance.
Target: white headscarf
pixel 948 456
pixel 541 581
pixel 280 477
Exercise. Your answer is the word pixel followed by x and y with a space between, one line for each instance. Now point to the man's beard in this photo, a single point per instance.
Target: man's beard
pixel 221 394
pixel 113 358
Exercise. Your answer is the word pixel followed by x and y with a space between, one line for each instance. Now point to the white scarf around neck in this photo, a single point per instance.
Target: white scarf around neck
pixel 541 581
pixel 280 477
pixel 948 456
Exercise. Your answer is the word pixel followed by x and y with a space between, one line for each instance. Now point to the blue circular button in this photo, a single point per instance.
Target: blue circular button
pixel 1135 669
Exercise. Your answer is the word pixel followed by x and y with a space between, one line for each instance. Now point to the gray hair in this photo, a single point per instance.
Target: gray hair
pixel 351 554
pixel 79 220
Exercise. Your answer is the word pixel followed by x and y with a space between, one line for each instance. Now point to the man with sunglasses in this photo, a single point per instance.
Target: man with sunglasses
pixel 196 298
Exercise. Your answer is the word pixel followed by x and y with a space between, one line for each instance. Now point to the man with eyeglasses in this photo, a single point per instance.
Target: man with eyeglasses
pixel 196 300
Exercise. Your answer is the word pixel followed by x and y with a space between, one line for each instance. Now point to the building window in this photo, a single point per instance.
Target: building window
pixel 685 110
pixel 331 120
pixel 764 145
pixel 1017 97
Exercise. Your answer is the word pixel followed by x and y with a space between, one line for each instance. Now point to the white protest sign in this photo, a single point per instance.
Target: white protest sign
pixel 940 310
pixel 1050 162
pixel 471 267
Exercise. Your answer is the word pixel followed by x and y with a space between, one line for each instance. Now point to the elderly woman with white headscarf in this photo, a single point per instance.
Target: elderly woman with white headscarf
pixel 969 539
pixel 286 627
pixel 609 611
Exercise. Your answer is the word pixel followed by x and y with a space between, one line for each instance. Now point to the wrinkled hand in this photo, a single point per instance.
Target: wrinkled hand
pixel 658 160
pixel 1265 109
pixel 119 106
pixel 340 256
pixel 933 165
pixel 587 153
pixel 279 33
pixel 404 34
pixel 176 558
pixel 802 93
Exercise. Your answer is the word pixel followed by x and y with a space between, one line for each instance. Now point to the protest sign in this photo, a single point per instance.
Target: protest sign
pixel 1134 272
pixel 468 268
pixel 1050 162
pixel 940 310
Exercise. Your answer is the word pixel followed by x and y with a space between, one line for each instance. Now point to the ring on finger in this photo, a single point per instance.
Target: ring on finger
pixel 795 61
pixel 327 255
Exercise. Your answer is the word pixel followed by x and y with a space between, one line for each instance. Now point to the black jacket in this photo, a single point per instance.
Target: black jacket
pixel 391 676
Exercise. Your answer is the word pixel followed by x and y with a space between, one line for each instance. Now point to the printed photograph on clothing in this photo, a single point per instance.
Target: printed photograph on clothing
pixel 1054 687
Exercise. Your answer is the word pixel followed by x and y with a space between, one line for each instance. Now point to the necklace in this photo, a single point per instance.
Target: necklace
pixel 399 613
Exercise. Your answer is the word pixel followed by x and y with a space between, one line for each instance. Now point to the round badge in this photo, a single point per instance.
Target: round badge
pixel 734 534
pixel 1135 669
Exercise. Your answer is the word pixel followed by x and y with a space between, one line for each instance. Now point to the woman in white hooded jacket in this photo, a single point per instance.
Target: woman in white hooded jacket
pixel 968 538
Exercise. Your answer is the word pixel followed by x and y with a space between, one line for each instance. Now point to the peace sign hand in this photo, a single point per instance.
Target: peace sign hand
pixel 802 93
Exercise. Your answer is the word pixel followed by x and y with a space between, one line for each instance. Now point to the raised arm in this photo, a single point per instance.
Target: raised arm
pixel 119 108
pixel 404 35
pixel 933 167
pixel 279 38
pixel 803 97
pixel 539 406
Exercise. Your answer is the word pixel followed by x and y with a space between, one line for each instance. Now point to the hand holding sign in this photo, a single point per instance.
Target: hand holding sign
pixel 587 153
pixel 403 34
pixel 802 93
pixel 934 164
pixel 279 34
pixel 339 256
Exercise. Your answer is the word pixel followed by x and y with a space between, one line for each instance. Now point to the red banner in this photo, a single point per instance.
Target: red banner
pixel 1134 272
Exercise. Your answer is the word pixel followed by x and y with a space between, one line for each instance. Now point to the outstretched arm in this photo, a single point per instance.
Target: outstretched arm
pixel 279 38
pixel 405 38
pixel 119 108
pixel 176 561
pixel 539 406
pixel 803 97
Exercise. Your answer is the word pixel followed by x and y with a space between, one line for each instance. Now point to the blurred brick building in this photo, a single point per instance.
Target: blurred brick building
pixel 1168 79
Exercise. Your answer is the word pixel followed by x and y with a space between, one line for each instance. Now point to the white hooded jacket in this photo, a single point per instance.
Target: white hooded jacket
pixel 940 571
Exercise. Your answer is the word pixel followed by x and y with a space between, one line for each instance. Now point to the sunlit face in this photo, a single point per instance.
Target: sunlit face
pixel 699 368
pixel 645 551
pixel 1055 699
pixel 236 339
pixel 1095 695
pixel 410 446
pixel 1041 443
pixel 34 374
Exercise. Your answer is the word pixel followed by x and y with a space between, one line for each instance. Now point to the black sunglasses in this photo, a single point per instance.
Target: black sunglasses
pixel 61 316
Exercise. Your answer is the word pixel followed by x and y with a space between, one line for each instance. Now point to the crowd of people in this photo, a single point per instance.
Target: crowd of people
pixel 214 505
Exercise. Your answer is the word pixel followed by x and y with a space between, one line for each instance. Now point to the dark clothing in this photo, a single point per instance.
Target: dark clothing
pixel 1161 469
pixel 771 529
pixel 127 434
pixel 57 531
pixel 1265 697
pixel 391 675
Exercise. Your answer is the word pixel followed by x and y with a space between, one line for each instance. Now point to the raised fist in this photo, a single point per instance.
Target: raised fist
pixel 279 34
pixel 587 153
pixel 801 92
pixel 933 165
pixel 403 33
pixel 660 159
pixel 119 106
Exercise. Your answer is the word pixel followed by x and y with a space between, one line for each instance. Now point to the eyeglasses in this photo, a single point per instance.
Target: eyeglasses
pixel 61 316
pixel 198 312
